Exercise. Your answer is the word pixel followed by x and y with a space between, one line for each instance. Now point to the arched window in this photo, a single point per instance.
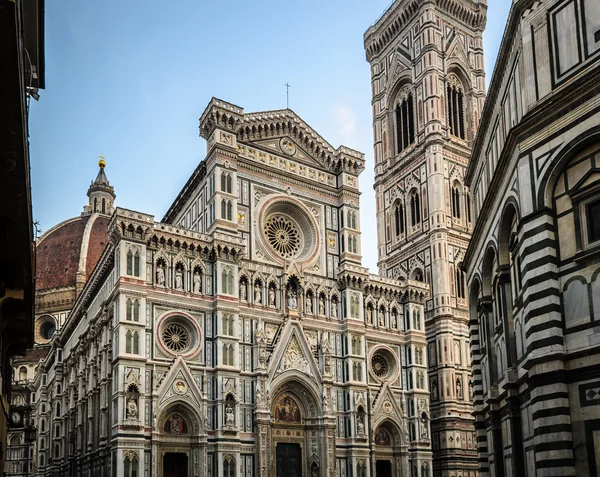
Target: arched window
pixel 136 264
pixel 228 352
pixel 129 262
pixel 129 310
pixel 456 193
pixel 130 464
pixel 415 208
pixel 228 325
pixel 22 373
pixel 405 123
pixel 57 431
pixel 399 219
pixel 104 206
pixel 43 425
pixel 136 310
pixel 460 282
pixel 416 319
pixel 456 116
pixel 224 181
pixel 223 209
pixel 95 204
pixel 229 466
pixel 229 210
pixel 229 188
pixel 136 343
pixel 425 470
pixel 57 446
pixel 128 341
pixel 227 281
pixel 57 409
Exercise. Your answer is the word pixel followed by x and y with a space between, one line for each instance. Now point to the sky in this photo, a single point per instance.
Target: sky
pixel 129 79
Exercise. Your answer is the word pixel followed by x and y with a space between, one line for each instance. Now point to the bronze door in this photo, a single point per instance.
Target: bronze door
pixel 175 464
pixel 289 460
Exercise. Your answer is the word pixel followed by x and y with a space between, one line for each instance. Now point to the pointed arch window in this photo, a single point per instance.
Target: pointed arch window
pixel 227 281
pixel 229 466
pixel 229 210
pixel 104 206
pixel 415 208
pixel 129 262
pixel 456 116
pixel 460 282
pixel 95 204
pixel 223 209
pixel 130 465
pixel 136 264
pixel 405 123
pixel 456 193
pixel 399 219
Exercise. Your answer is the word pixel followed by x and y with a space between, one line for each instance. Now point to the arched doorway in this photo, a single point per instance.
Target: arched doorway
pixel 177 442
pixel 297 432
pixel 388 453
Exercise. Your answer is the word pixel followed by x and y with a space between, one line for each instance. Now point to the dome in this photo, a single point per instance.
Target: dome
pixel 67 254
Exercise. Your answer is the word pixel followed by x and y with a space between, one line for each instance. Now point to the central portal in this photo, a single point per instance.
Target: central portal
pixel 383 468
pixel 175 464
pixel 289 460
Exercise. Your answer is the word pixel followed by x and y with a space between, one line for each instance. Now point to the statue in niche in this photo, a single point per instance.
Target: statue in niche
pixel 394 321
pixel 369 315
pixel 160 275
pixel 178 280
pixel 309 309
pixel 381 318
pixel 197 282
pixel 243 292
pixel 424 427
pixel 132 408
pixel 271 296
pixel 334 309
pixel 360 426
pixel 257 294
pixel 434 390
pixel 292 300
pixel 229 416
pixel 321 305
pixel 459 393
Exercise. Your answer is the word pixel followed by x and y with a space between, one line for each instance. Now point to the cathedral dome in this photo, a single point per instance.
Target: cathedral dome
pixel 67 254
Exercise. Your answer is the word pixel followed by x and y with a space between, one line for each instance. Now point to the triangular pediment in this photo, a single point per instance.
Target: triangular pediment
pixel 293 354
pixel 283 135
pixel 179 384
pixel 386 407
pixel 457 52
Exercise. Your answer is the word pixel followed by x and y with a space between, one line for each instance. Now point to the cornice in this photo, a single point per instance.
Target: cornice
pixel 395 19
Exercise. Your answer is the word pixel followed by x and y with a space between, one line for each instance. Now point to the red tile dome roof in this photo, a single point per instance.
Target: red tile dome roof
pixel 69 249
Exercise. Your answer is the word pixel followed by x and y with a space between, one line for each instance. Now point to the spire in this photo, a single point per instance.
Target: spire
pixel 101 193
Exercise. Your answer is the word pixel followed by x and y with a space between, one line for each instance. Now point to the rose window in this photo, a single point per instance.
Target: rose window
pixel 283 235
pixel 379 365
pixel 175 337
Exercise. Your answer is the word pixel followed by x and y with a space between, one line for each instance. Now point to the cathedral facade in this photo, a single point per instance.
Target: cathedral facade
pixel 533 261
pixel 240 335
pixel 428 88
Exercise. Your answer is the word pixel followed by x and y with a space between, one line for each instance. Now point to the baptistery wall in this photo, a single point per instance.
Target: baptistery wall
pixel 533 260
pixel 240 335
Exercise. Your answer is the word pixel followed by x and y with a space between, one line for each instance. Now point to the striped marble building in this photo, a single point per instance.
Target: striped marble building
pixel 533 265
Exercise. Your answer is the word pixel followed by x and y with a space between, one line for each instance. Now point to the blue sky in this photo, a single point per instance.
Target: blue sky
pixel 129 80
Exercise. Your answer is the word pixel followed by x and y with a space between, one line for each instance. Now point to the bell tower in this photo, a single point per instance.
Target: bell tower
pixel 428 86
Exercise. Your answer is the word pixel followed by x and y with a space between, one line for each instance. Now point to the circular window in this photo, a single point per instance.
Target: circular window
pixel 45 327
pixel 47 330
pixel 176 337
pixel 283 236
pixel 288 230
pixel 178 334
pixel 384 364
pixel 380 366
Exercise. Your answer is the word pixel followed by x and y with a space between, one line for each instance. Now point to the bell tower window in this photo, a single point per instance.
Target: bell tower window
pixel 405 123
pixel 456 116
